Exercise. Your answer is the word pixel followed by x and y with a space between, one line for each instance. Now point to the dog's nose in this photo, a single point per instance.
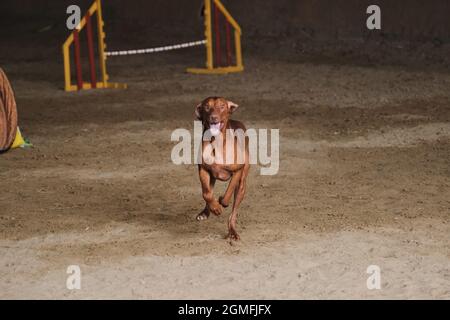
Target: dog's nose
pixel 214 119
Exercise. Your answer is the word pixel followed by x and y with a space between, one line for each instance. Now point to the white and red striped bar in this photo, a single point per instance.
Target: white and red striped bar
pixel 158 49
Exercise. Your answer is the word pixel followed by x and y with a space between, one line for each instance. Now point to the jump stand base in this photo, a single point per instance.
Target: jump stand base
pixel 223 70
pixel 99 85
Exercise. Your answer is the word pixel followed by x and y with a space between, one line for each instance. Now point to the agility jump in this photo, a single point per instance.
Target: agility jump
pixel 215 43
pixel 214 61
pixel 74 38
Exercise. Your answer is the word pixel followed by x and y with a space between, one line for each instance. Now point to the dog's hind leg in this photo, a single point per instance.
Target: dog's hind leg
pixel 204 214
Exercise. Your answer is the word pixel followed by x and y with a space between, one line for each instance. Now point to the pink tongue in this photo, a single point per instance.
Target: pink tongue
pixel 215 128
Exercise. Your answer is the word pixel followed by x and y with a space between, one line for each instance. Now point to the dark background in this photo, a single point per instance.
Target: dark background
pixel 322 19
pixel 413 31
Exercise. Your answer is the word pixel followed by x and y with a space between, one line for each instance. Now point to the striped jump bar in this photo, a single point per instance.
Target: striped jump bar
pixel 158 49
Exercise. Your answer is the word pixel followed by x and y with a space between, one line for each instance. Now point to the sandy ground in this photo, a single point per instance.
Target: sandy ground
pixel 364 180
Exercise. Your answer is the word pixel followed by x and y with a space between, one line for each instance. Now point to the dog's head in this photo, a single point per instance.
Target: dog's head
pixel 214 112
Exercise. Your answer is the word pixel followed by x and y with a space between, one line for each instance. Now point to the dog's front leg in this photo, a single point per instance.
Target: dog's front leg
pixel 225 199
pixel 212 205
pixel 239 193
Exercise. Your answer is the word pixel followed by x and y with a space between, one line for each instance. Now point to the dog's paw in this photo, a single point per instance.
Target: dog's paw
pixel 215 208
pixel 203 215
pixel 223 203
pixel 233 235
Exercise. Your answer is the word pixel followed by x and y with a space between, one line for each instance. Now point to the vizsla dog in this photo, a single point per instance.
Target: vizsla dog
pixel 214 112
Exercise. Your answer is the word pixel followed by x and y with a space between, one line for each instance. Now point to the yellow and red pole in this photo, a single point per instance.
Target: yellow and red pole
pixel 76 42
pixel 90 43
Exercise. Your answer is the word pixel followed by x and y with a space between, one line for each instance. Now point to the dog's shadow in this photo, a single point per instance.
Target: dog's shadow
pixel 179 221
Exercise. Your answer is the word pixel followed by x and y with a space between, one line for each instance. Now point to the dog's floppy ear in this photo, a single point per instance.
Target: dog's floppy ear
pixel 198 111
pixel 232 106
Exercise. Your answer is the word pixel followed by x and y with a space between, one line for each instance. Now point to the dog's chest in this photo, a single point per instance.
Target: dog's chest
pixel 226 152
pixel 219 172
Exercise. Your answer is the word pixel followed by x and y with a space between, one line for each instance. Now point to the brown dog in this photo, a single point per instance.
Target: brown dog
pixel 214 112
